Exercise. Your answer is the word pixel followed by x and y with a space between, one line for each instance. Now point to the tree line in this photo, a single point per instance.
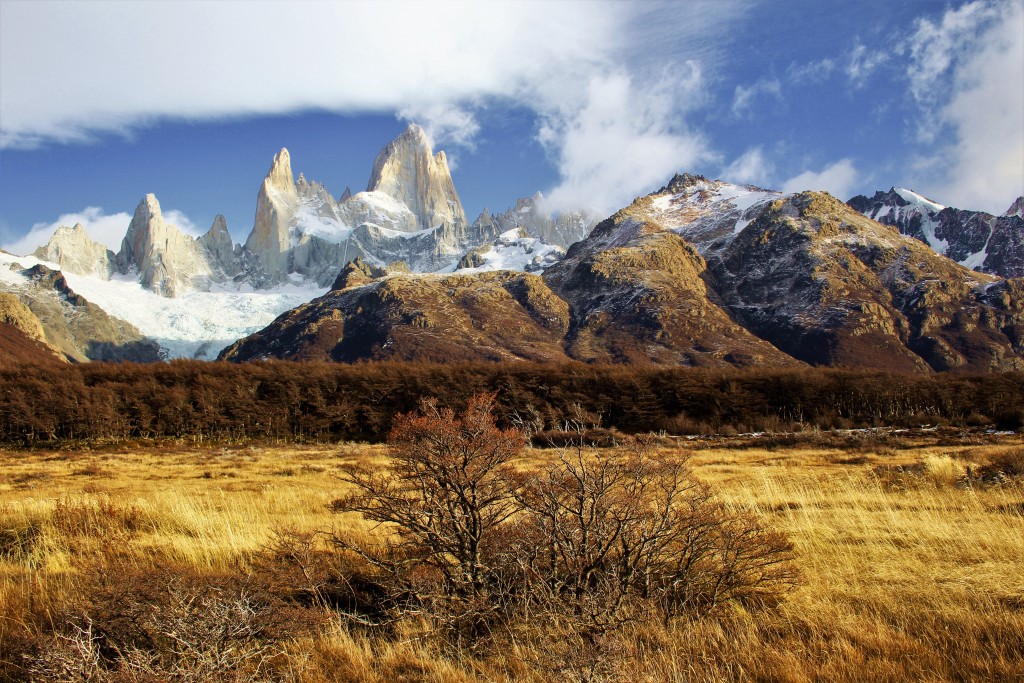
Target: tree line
pixel 322 401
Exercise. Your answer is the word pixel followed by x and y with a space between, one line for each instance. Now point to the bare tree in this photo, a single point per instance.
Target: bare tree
pixel 444 499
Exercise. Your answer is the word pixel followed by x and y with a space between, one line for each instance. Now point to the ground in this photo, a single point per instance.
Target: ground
pixel 910 570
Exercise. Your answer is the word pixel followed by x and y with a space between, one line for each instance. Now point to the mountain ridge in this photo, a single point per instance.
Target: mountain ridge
pixel 975 239
pixel 701 272
pixel 704 273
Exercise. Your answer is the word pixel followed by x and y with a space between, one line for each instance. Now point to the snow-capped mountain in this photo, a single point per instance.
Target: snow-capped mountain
pixel 195 295
pixel 974 239
pixel 529 214
pixel 701 272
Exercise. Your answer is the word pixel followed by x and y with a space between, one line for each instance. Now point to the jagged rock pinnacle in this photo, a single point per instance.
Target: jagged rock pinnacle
pixel 407 170
pixel 275 205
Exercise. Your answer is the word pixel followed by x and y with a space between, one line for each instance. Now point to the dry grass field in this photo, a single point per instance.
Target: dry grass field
pixel 908 570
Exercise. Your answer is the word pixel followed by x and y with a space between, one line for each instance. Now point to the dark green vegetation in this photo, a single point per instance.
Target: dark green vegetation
pixel 313 401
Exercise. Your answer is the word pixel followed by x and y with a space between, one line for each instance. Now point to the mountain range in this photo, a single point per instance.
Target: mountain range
pixel 193 296
pixel 701 272
pixel 975 239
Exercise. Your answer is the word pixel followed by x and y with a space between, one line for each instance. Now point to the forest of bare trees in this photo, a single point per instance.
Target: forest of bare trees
pixel 280 400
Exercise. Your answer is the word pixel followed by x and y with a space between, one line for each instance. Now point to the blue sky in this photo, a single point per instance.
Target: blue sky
pixel 592 103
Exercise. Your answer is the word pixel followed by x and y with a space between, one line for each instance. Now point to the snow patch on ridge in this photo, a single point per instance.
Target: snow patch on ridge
pixel 512 251
pixel 193 322
pixel 920 200
pixel 710 213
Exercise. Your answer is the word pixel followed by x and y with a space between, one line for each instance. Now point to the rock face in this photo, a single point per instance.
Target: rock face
pixel 222 257
pixel 512 250
pixel 73 251
pixel 528 214
pixel 830 287
pixel 166 260
pixel 699 273
pixel 22 339
pixel 13 312
pixel 301 235
pixel 637 293
pixel 408 170
pixel 77 329
pixel 975 239
pixel 276 204
pixel 410 212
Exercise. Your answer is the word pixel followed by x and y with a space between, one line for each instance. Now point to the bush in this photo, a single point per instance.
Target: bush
pixel 590 543
pixel 447 496
pixel 1007 464
pixel 1009 420
pixel 605 540
pixel 170 624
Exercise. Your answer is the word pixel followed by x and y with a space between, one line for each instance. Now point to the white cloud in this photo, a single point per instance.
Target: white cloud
pixel 838 179
pixel 811 72
pixel 106 229
pixel 862 62
pixel 444 123
pixel 965 75
pixel 74 71
pixel 744 96
pixel 71 70
pixel 179 219
pixel 624 137
pixel 936 47
pixel 751 168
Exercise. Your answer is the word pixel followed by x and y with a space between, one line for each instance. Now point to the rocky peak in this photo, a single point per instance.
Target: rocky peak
pixel 974 239
pixel 276 203
pixel 219 229
pixel 357 272
pixel 1016 209
pixel 220 248
pixel 167 260
pixel 73 251
pixel 48 278
pixel 346 195
pixel 408 170
pixel 865 204
pixel 683 182
pixel 529 214
pixel 279 177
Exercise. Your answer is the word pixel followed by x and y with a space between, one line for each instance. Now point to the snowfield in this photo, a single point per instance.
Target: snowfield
pixel 196 324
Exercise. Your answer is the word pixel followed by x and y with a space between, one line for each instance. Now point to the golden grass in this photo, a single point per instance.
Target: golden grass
pixel 919 579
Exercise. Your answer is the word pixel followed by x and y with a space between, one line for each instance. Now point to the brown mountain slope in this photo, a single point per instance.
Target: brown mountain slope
pixel 640 298
pixel 493 316
pixel 832 287
pixel 22 339
pixel 77 328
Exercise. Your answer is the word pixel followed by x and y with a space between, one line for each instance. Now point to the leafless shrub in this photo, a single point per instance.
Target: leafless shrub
pixel 445 497
pixel 606 535
pixel 168 625
pixel 595 437
pixel 70 657
pixel 588 544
